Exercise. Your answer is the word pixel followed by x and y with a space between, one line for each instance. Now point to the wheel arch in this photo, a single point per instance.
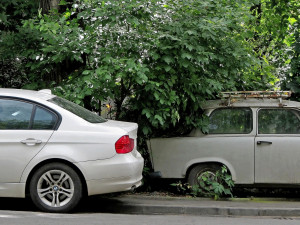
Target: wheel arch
pixel 209 161
pixel 56 160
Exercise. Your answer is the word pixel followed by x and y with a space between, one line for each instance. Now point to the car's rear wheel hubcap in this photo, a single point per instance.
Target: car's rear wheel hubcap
pixel 55 188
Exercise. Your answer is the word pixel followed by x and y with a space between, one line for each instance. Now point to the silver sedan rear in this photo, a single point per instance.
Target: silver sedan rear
pixel 57 152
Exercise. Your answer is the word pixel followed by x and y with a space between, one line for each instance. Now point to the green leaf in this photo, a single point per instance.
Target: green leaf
pixel 186 55
pixel 185 63
pixel 62 2
pixel 167 68
pixel 156 95
pixel 167 59
pixel 159 118
pixel 145 130
pixel 292 20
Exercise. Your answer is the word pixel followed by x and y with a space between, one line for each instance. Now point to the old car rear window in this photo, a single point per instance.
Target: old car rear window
pixel 77 110
pixel 230 121
pixel 278 121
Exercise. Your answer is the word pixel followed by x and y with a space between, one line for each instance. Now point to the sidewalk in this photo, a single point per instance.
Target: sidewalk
pixel 147 204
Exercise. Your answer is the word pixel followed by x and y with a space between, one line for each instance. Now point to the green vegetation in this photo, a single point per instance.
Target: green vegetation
pixel 214 186
pixel 156 60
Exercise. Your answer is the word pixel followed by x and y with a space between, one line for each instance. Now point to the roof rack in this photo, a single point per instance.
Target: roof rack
pixel 257 94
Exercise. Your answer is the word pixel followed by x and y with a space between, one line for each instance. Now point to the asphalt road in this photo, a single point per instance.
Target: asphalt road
pixel 36 218
pixel 21 211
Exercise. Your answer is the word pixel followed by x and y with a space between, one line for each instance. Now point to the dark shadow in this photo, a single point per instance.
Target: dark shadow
pixel 100 204
pixel 93 204
pixel 16 204
pixel 267 192
pixel 110 203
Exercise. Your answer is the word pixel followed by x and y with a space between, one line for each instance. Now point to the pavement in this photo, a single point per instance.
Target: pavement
pixel 160 205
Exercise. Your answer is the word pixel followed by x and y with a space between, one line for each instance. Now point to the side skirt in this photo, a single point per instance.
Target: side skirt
pixel 15 190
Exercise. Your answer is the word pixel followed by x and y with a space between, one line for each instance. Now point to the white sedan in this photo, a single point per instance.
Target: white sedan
pixel 57 152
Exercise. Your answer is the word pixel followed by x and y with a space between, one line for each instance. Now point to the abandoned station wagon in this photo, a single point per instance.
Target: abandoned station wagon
pixel 255 134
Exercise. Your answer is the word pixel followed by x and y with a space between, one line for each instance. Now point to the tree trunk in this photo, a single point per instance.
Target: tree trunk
pixel 47 5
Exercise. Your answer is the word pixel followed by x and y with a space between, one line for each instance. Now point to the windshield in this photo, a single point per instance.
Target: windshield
pixel 77 110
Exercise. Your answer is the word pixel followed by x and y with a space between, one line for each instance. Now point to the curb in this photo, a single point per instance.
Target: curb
pixel 150 206
pixel 201 211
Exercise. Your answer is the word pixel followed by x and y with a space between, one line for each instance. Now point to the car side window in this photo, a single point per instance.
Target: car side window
pixel 230 121
pixel 278 121
pixel 43 119
pixel 15 115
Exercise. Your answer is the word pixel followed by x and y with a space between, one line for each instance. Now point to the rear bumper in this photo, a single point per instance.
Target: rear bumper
pixel 155 175
pixel 120 173
pixel 96 187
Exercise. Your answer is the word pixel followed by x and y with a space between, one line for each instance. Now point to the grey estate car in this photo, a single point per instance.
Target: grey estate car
pixel 257 136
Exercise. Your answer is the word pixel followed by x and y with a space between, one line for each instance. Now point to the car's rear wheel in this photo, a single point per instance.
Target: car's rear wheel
pixel 209 170
pixel 55 187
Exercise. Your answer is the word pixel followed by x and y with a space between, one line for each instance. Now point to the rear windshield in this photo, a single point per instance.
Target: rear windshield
pixel 77 110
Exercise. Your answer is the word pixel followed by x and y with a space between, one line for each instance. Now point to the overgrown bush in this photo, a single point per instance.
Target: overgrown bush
pixel 157 60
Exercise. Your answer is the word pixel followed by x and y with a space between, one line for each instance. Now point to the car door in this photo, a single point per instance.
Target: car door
pixel 231 138
pixel 277 146
pixel 24 130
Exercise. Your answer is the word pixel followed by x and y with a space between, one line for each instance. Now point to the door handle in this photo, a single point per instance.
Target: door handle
pixel 31 141
pixel 264 142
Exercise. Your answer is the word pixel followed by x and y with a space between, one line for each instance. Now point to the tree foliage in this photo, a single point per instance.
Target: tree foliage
pixel 272 36
pixel 12 13
pixel 156 59
pixel 291 80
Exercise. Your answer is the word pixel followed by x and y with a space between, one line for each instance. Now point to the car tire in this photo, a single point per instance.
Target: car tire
pixel 199 170
pixel 56 187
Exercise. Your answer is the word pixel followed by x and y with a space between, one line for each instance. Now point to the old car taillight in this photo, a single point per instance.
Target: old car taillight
pixel 124 145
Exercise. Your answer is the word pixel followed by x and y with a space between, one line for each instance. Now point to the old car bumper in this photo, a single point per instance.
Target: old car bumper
pixel 155 175
pixel 122 172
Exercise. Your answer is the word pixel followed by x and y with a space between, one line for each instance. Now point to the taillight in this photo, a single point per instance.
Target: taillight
pixel 124 145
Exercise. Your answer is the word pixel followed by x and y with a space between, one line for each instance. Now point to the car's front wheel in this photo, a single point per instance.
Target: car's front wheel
pixel 55 187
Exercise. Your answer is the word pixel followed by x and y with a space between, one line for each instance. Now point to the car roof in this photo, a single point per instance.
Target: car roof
pixel 251 102
pixel 28 94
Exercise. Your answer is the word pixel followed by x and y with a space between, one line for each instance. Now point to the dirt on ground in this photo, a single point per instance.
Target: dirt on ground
pixel 164 187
